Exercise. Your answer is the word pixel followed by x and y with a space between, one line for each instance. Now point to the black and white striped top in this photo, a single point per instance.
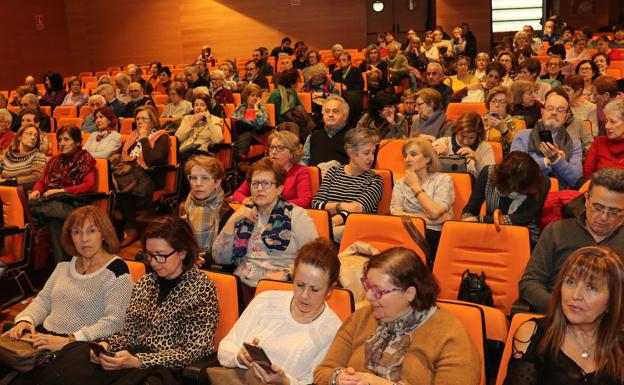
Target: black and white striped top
pixel 338 186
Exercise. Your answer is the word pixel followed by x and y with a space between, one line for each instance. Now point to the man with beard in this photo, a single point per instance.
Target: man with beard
pixel 560 157
pixel 599 225
pixel 137 99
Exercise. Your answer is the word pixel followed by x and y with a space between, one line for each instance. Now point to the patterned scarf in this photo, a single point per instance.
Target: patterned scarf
pixel 276 236
pixel 68 170
pixel 203 216
pixel 103 133
pixel 288 98
pixel 560 137
pixel 384 351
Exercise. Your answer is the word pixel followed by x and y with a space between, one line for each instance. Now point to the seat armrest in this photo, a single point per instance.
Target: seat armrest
pixel 195 372
pixel 11 230
pixel 162 167
pixel 521 306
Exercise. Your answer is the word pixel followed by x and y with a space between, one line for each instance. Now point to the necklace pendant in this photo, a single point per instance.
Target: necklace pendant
pixel 585 355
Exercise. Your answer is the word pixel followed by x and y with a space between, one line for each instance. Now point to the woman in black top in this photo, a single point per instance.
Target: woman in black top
pixel 580 341
pixel 517 187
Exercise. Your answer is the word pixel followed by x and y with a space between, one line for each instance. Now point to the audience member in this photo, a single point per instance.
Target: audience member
pixel 219 93
pixel 177 107
pixel 525 104
pixel 301 57
pixel 588 71
pixel 263 239
pixel 31 84
pixel 467 140
pixel 55 91
pixel 606 90
pixel 375 70
pixel 207 56
pixel 396 66
pixel 145 147
pixel 553 76
pixel 153 80
pixel 431 50
pixel 108 92
pixel 6 135
pixel 435 347
pixel 284 96
pixel 530 70
pixel 354 187
pixel 313 61
pixel 327 143
pixel 508 60
pixel 194 80
pixel 75 97
pixel 535 42
pixel 408 107
pixel 231 75
pixel 602 61
pixel 416 57
pixel 30 104
pixel 499 124
pixel 106 141
pixel 431 122
pixel 136 76
pixel 164 77
pixel 383 118
pixel 320 86
pixel 581 107
pixel 121 81
pixel 351 86
pixel 88 123
pixel 578 51
pixel 67 175
pixel 599 225
pixel 32 119
pixel 284 150
pixel 137 99
pixel 284 49
pixel 84 299
pixel 479 91
pixel 199 131
pixel 462 77
pixel 23 163
pixel 481 62
pixel 618 37
pixel 205 209
pixel 252 75
pixel 608 150
pixel 603 46
pixel 261 56
pixel 434 80
pixel 250 118
pixel 424 191
pixel 295 328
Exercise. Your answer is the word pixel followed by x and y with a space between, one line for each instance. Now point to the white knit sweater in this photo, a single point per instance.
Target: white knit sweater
pixel 88 306
pixel 296 348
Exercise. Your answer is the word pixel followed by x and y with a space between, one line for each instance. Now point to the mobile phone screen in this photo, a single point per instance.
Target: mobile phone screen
pixel 259 356
pixel 546 136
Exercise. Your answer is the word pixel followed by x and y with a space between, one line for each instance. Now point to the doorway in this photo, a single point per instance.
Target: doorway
pixel 397 16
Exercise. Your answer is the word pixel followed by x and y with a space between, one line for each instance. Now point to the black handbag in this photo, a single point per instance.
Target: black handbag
pixel 473 288
pixel 453 163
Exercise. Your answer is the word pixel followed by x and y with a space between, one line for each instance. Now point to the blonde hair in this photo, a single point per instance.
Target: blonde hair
pixel 290 141
pixel 426 149
pixel 431 96
pixel 208 163
pixel 519 88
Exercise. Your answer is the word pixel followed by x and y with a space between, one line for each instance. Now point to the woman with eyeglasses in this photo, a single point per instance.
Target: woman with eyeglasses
pixel 284 150
pixel 250 117
pixel 588 71
pixel 205 209
pixel 170 322
pixel 403 337
pixel 84 299
pixel 499 124
pixel 263 236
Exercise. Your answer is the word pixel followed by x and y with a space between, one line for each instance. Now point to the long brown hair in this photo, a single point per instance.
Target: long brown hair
pixel 593 263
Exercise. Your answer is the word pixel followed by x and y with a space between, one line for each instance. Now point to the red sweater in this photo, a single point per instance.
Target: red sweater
pixel 297 188
pixel 86 186
pixel 6 139
pixel 603 153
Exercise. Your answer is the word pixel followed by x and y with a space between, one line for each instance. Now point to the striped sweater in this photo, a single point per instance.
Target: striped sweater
pixel 26 168
pixel 337 186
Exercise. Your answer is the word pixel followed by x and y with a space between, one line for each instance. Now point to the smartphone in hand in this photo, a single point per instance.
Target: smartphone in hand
pixel 546 136
pixel 99 349
pixel 259 356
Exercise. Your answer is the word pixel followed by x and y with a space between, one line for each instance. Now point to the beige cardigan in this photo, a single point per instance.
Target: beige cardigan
pixel 199 137
pixel 441 351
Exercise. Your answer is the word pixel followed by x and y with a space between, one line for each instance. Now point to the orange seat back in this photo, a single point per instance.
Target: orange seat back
pixel 70 122
pixel 84 111
pixel 473 319
pixel 171 180
pixel 229 298
pixel 463 188
pixel 229 109
pixel 497 148
pixel 315 179
pixel 271 110
pixel 126 126
pixel 224 154
pixel 381 231
pixel 340 300
pixel 46 110
pixel 501 254
pixel 321 222
pixel 306 100
pixel 390 157
pixel 160 99
pixel 103 183
pixel 554 184
pixel 585 186
pixel 65 112
pixel 137 270
pixel 237 98
pixel 383 207
pixel 13 215
pixel 455 110
pixel 496 323
pixel 517 320
pixel 160 108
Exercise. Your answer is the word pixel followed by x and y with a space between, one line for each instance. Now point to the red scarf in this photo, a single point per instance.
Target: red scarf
pixel 69 170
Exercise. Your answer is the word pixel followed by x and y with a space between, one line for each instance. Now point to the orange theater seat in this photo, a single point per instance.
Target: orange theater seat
pixel 315 178
pixel 271 110
pixel 70 121
pixel 497 148
pixel 516 322
pixel 501 254
pixel 65 112
pixel 455 110
pixel 160 99
pixel 237 98
pixel 229 298
pixel 137 270
pixel 340 300
pixel 306 100
pixel 463 188
pixel 173 172
pixel 46 110
pixel 390 157
pixel 321 222
pixel 383 207
pixel 84 111
pixel 126 126
pixel 381 231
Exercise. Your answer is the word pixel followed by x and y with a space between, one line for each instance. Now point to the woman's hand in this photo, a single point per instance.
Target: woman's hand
pixel 95 358
pixel 337 220
pixel 467 153
pixel 53 191
pixel 243 357
pixel 348 377
pixel 122 360
pixel 42 341
pixel 277 377
pixel 352 207
pixel 18 330
pixel 245 212
pixel 247 202
pixel 388 114
pixel 200 259
pixel 412 180
pixel 470 219
pixel 34 194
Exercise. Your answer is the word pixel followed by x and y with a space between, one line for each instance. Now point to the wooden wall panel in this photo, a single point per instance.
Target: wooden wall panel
pixel 477 13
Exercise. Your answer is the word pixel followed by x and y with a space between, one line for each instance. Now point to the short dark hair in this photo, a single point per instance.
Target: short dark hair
pixel 406 269
pixel 320 253
pixel 71 130
pixel 593 65
pixel 286 39
pixel 557 50
pixel 265 164
pixel 498 67
pixel 607 58
pixel 534 66
pixel 56 81
pixel 574 81
pixel 178 233
pixel 178 88
pixel 518 172
pixel 251 62
pixel 288 78
pixel 610 178
pixel 165 70
pixel 559 91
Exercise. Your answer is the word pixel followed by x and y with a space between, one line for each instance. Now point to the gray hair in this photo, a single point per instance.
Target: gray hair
pixel 358 137
pixel 106 88
pixel 344 106
pixel 31 98
pixel 124 77
pixel 95 97
pixel 217 73
pixel 337 46
pixel 437 65
pixel 6 115
pixel 616 105
pixel 610 178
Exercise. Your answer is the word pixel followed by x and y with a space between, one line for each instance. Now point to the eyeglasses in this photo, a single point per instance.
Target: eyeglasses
pixel 377 291
pixel 610 211
pixel 498 102
pixel 266 184
pixel 160 258
pixel 559 111
pixel 199 178
pixel 142 119
pixel 277 148
pixel 76 232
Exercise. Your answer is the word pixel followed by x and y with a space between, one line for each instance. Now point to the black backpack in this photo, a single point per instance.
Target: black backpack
pixel 474 289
